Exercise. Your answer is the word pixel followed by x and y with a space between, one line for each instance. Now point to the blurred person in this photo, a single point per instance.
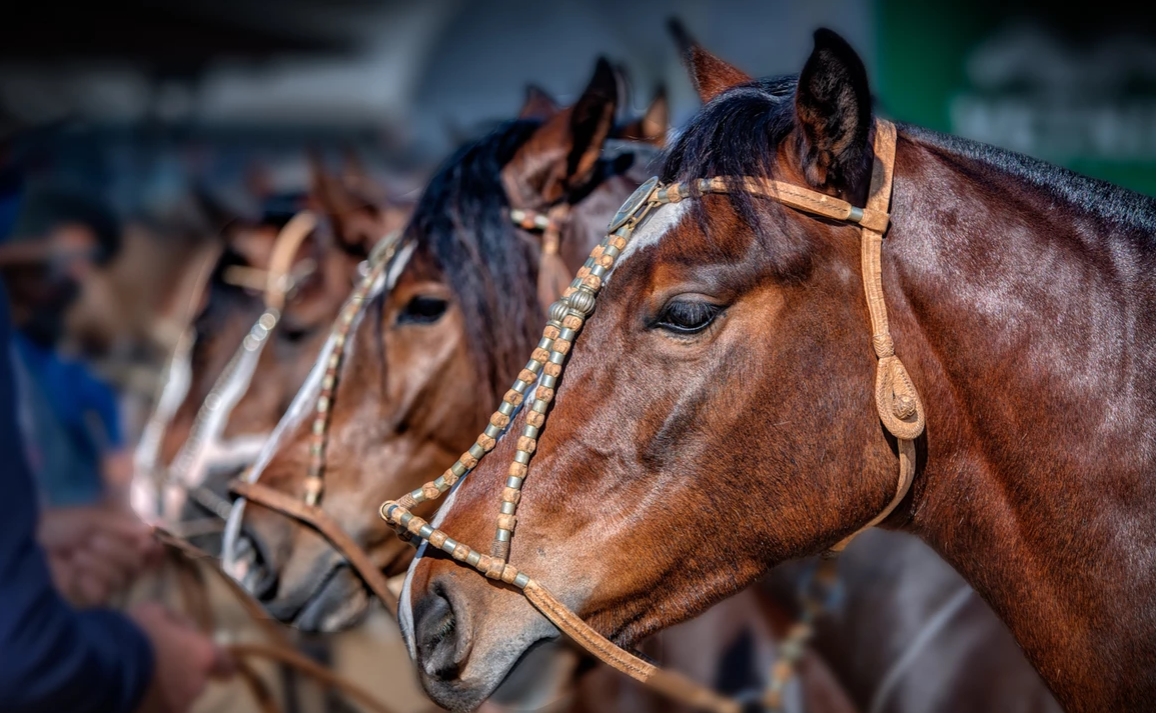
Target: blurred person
pixel 56 658
pixel 71 418
pixel 93 550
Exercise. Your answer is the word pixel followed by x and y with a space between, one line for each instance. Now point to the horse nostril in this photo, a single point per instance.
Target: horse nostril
pixel 260 579
pixel 436 636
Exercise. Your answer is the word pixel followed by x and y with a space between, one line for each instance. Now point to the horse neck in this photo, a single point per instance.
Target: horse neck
pixel 1027 321
pixel 896 606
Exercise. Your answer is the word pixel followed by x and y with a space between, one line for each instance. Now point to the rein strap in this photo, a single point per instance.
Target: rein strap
pixel 314 517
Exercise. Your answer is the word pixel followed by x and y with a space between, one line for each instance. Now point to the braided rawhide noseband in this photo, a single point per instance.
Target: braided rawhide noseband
pixel 896 398
pixel 377 262
pixel 306 510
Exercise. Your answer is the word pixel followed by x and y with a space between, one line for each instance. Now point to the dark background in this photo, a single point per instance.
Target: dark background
pixel 140 100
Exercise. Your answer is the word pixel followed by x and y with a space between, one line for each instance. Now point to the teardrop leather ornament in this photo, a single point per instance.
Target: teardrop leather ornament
pixel 896 399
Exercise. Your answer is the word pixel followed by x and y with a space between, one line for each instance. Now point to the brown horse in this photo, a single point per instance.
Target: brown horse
pixel 324 267
pixel 433 348
pixel 717 415
pixel 737 647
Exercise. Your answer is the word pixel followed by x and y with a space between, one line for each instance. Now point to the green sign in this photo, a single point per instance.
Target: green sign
pixel 1077 90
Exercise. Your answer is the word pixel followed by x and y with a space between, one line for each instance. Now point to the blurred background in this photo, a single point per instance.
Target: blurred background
pixel 146 103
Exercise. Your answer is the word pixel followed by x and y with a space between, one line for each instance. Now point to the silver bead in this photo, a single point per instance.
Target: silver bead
pixel 558 311
pixel 583 301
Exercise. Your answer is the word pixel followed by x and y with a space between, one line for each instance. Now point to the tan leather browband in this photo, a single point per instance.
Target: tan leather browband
pixel 897 403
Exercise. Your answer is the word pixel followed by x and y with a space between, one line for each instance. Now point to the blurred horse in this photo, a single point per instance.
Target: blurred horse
pixel 243 358
pixel 191 447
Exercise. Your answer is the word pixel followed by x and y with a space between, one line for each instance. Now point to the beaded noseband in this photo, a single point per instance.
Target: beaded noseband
pixel 897 402
pixel 307 510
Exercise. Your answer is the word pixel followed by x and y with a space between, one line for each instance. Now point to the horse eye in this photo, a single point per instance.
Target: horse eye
pixel 294 335
pixel 422 310
pixel 687 317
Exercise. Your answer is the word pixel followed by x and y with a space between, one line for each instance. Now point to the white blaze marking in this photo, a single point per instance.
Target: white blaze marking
pixel 652 230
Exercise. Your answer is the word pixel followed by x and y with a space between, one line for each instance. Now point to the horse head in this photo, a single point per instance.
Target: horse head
pixel 498 227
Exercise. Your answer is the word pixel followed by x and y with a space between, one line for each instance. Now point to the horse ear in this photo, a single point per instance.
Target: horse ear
pixel 538 104
pixel 218 216
pixel 561 154
pixel 834 116
pixel 354 170
pixel 710 75
pixel 652 126
pixel 352 219
pixel 590 121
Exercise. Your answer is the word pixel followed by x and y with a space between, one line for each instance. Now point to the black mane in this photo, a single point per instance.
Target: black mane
pixel 737 134
pixel 1115 204
pixel 462 223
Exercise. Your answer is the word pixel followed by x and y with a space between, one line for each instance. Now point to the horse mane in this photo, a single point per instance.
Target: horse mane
pixel 462 224
pixel 1126 209
pixel 222 297
pixel 736 133
pixel 739 132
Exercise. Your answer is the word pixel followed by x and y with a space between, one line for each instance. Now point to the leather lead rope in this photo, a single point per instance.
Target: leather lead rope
pixel 280 649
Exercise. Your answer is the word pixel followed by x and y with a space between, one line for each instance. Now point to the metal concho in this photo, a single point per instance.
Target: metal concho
pixel 632 204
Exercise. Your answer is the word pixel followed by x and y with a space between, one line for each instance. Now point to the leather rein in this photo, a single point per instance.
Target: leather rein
pixel 898 405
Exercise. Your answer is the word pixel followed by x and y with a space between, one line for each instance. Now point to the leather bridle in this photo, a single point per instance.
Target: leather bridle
pixel 550 224
pixel 897 402
pixel 278 282
pixel 307 510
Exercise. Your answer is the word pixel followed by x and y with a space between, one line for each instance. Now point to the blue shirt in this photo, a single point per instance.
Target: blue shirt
pixel 53 658
pixel 72 421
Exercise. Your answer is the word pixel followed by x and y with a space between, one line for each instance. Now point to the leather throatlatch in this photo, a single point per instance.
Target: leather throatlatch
pixel 897 401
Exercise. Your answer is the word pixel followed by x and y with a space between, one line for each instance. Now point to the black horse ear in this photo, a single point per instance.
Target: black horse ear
pixel 538 104
pixel 710 75
pixel 834 117
pixel 562 153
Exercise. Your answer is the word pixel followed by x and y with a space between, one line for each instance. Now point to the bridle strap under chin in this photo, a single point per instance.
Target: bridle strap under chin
pixel 314 517
pixel 896 398
pixel 307 510
pixel 897 401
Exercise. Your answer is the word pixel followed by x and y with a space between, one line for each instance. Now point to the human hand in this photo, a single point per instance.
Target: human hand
pixel 185 659
pixel 94 551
